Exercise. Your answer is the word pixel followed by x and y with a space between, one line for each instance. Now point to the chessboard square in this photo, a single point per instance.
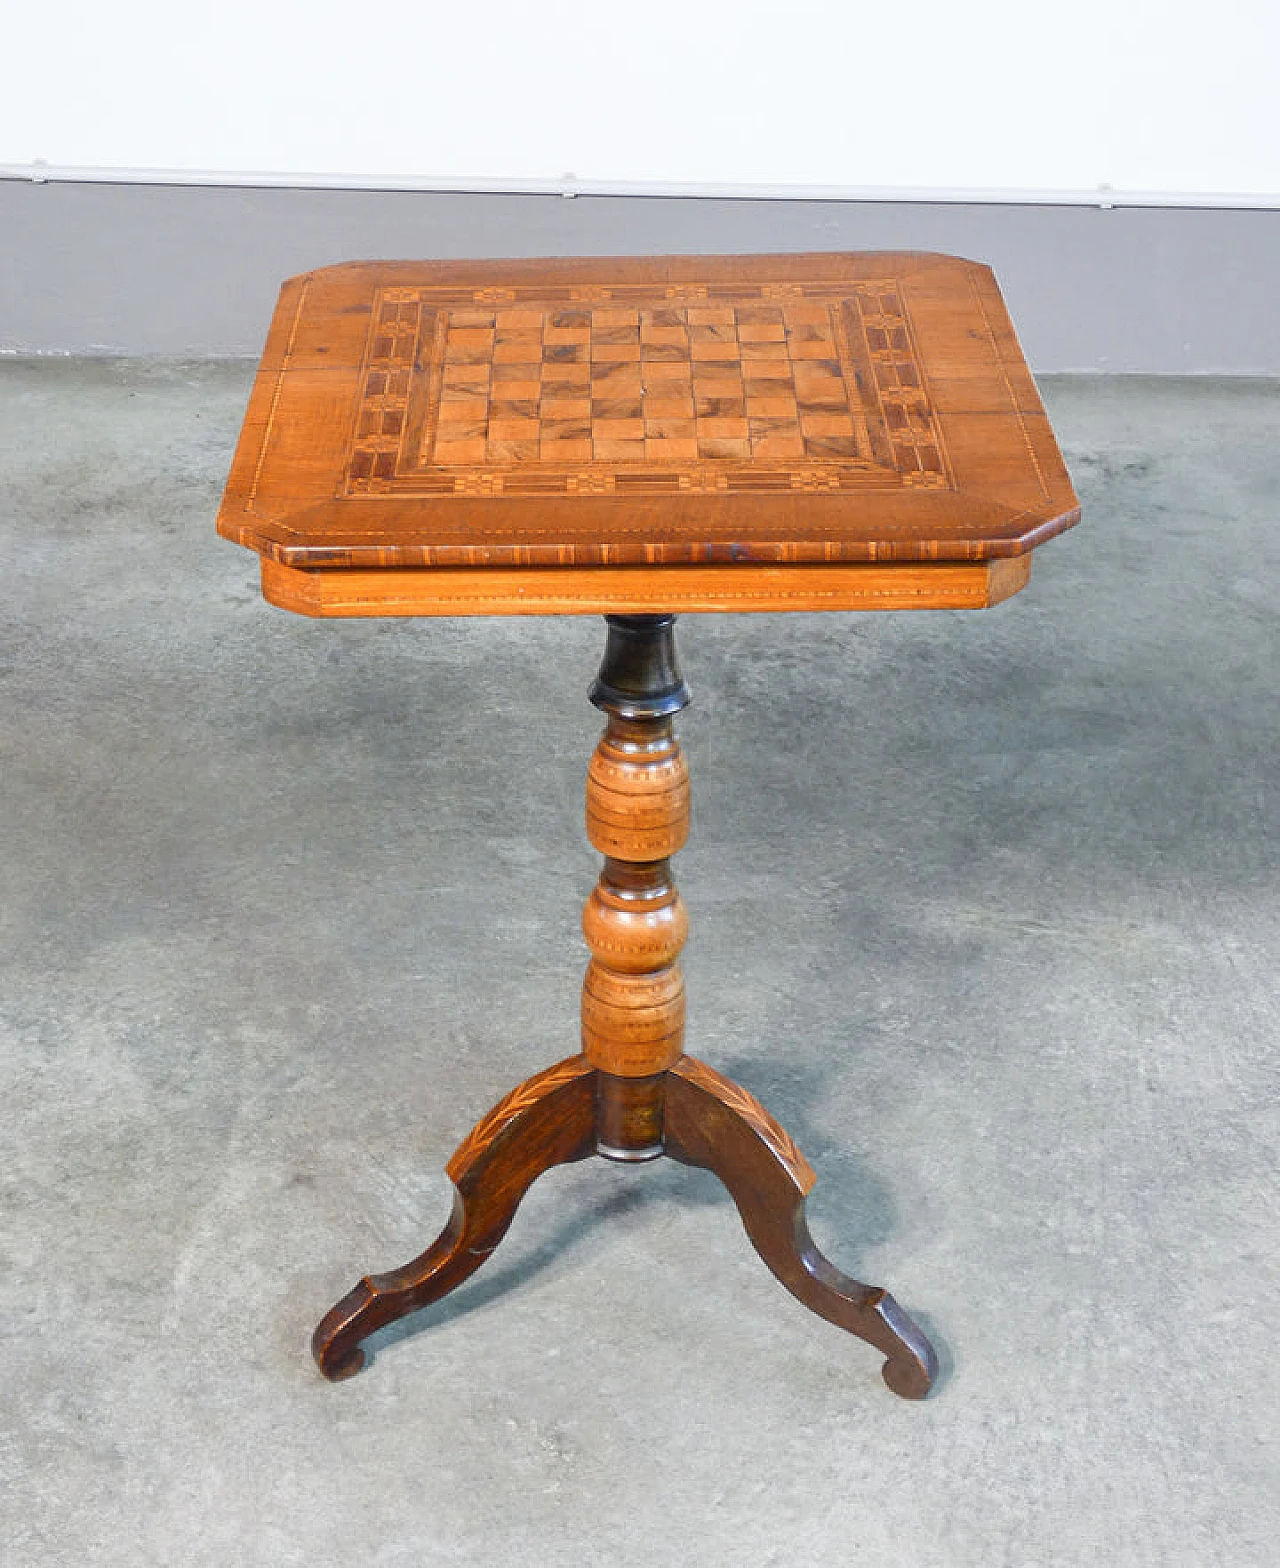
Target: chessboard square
pixel 719 388
pixel 737 429
pixel 820 387
pixel 777 448
pixel 469 376
pixel 670 449
pixel 567 335
pixel 761 405
pixel 756 352
pixel 514 430
pixel 710 315
pixel 615 351
pixel 723 446
pixel 719 407
pixel 766 369
pixel 514 390
pixel 564 449
pixel 830 446
pixel 566 353
pixel 816 369
pixel 517 370
pixel 753 314
pixel 668 407
pixel 715 333
pixel 668 380
pixel 615 379
pixel 614 316
pixel 682 429
pixel 773 427
pixel 515 319
pixel 461 429
pixel 468 353
pixel 469 451
pixel 725 351
pixel 513 408
pixel 804 331
pixel 663 316
pixel 561 407
pixel 617 408
pixel 797 315
pixel 513 451
pixel 826 424
pixel 676 335
pixel 576 377
pixel 570 318
pixel 617 429
pixel 519 348
pixel 761 331
pixel 463 404
pixel 565 429
pixel 815 348
pixel 716 370
pixel 468 337
pixel 629 333
pixel 664 353
pixel 833 402
pixel 605 449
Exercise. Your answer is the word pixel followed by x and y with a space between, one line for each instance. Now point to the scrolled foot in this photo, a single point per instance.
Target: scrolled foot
pixel 335 1341
pixel 714 1123
pixel 547 1121
pixel 912 1365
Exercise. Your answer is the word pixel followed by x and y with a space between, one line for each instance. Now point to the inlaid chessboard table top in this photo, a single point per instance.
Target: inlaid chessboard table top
pixel 512 432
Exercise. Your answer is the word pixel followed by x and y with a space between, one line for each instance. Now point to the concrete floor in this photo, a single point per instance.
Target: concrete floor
pixel 985 908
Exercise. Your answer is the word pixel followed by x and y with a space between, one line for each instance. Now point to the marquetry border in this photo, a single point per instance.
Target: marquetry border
pixel 398 400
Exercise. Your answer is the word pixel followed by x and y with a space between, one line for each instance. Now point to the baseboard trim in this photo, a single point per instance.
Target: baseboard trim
pixel 183 270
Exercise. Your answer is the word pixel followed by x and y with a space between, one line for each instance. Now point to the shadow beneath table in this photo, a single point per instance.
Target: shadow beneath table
pixel 847 1192
pixel 850 1211
pixel 503 1275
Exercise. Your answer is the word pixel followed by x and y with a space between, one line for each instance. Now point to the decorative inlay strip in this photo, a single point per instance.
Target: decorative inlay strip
pixel 524 1095
pixel 745 1105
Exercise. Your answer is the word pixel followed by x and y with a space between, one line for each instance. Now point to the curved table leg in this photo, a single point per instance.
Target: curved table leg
pixel 713 1123
pixel 546 1121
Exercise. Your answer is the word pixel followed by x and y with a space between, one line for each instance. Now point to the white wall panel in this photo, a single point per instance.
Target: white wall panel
pixel 995 96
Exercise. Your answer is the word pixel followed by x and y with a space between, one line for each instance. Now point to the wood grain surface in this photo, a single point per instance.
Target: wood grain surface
pixel 729 412
pixel 601 590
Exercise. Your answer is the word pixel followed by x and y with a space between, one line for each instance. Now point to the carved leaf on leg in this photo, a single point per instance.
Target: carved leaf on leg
pixel 714 1123
pixel 547 1121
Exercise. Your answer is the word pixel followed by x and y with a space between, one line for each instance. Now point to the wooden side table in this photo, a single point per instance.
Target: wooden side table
pixel 639 437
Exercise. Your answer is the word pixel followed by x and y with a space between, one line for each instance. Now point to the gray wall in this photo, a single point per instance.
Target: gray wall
pixel 193 270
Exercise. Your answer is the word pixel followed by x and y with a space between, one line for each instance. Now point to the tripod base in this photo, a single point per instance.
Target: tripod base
pixel 689 1112
pixel 633 1094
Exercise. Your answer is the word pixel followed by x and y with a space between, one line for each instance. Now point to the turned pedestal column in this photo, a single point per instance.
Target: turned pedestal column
pixel 635 921
pixel 633 1094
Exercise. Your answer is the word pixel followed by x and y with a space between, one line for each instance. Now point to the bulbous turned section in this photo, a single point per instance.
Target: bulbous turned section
pixel 635 924
pixel 638 791
pixel 635 919
pixel 632 1025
